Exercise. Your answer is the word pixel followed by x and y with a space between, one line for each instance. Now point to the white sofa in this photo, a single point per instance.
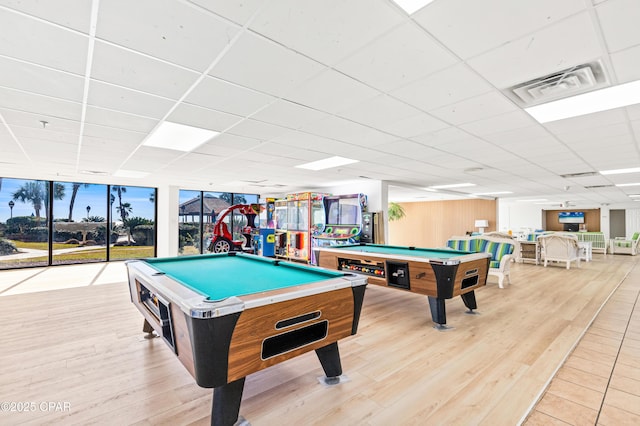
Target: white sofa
pixel 559 248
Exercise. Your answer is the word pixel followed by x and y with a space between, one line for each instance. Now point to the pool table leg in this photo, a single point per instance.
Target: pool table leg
pixel 329 357
pixel 226 403
pixel 147 328
pixel 469 300
pixel 438 312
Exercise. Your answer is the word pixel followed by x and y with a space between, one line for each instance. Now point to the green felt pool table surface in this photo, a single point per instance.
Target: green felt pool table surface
pixel 219 276
pixel 403 251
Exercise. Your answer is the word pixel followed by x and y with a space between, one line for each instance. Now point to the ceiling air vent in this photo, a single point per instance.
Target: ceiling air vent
pixel 598 186
pixel 576 175
pixel 561 84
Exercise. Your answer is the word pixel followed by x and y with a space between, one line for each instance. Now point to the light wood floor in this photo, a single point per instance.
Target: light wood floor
pixel 83 347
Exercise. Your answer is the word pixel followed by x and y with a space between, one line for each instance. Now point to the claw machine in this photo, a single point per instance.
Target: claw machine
pixel 280 226
pixel 305 214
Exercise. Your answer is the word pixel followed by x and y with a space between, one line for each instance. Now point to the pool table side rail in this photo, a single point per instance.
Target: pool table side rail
pixel 198 305
pixel 455 259
pixel 422 272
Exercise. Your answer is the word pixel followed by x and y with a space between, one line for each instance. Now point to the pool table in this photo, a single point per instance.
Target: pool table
pixel 439 274
pixel 231 314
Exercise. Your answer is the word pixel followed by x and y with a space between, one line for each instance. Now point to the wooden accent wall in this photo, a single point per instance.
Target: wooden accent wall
pixel 591 219
pixel 432 223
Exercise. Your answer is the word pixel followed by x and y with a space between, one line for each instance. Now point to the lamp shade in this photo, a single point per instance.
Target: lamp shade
pixel 481 223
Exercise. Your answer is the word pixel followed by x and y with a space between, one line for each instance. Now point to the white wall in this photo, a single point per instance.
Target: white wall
pixel 631 222
pixel 168 200
pixel 516 216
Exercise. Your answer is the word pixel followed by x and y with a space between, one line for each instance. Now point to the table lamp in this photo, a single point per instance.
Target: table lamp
pixel 481 224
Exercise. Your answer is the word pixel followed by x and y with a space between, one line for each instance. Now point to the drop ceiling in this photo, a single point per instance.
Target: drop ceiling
pixel 419 100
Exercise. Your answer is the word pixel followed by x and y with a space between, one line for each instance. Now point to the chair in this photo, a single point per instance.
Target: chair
pixel 559 248
pixel 622 246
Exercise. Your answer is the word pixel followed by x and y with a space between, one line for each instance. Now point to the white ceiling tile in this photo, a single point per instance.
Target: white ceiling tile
pixel 74 14
pixel 441 137
pixel 203 118
pixel 626 64
pixel 149 156
pixel 117 119
pixel 500 123
pixel 238 143
pixel 39 80
pixel 220 95
pixel 37 104
pixel 289 114
pixel 121 147
pixel 173 31
pixel 401 56
pixel 41 43
pixel 619 23
pixel 287 151
pixel 443 88
pixel 52 149
pixel 331 91
pixel 585 122
pixel 52 122
pixel 236 11
pixel 633 111
pixel 327 30
pixel 257 129
pixel 579 135
pixel 537 55
pixel 192 161
pixel 311 142
pixel 107 96
pixel 347 131
pixel 113 134
pixel 474 109
pixel 132 70
pixel 47 135
pixel 414 126
pixel 263 65
pixel 379 111
pixel 469 27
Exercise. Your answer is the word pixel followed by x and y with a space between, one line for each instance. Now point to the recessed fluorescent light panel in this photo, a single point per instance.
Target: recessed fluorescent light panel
pixel 411 6
pixel 600 100
pixel 130 174
pixel 620 171
pixel 452 185
pixel 493 193
pixel 533 200
pixel 327 163
pixel 178 137
pixel 628 184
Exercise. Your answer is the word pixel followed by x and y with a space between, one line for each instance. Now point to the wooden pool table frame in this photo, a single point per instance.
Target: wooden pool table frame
pixel 221 342
pixel 439 279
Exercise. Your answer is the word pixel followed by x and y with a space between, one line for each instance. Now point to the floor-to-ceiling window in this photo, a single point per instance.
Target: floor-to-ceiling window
pixel 189 212
pixel 47 223
pixel 24 225
pixel 198 212
pixel 133 226
pixel 79 223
